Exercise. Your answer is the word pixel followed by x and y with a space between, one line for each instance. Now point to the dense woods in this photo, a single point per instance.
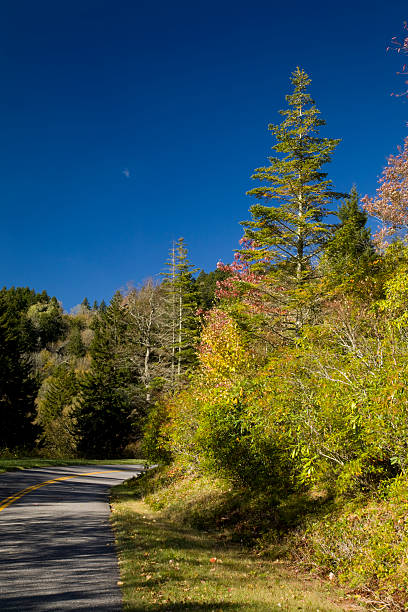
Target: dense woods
pixel 283 373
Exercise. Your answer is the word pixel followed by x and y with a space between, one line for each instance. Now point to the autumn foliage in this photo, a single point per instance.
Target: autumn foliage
pixel 300 386
pixel 390 205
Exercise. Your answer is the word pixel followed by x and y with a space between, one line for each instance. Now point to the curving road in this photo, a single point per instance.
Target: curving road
pixel 56 545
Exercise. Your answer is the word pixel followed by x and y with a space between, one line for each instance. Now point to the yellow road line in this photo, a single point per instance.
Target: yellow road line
pixel 7 501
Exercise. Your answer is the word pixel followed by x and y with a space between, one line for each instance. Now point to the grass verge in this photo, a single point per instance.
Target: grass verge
pixel 167 566
pixel 9 465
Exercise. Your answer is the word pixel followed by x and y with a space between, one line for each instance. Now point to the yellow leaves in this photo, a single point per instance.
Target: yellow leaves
pixel 222 351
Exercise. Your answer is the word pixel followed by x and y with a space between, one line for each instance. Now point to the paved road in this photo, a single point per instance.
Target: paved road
pixel 56 546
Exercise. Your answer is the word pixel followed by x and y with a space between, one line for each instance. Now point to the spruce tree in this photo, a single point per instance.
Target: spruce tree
pixel 55 407
pixel 18 387
pixel 289 228
pixel 206 284
pixel 350 253
pixel 181 328
pixel 293 231
pixel 75 345
pixel 103 413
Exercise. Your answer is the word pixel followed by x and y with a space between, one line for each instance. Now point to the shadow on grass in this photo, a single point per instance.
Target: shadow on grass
pixel 170 564
pixel 194 607
pixel 170 568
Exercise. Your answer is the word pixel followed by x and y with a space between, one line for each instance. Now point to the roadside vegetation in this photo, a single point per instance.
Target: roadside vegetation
pixel 168 565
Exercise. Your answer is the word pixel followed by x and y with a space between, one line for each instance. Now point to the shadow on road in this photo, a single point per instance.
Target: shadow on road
pixel 57 549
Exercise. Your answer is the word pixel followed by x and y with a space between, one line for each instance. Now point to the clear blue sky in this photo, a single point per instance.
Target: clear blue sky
pixel 125 125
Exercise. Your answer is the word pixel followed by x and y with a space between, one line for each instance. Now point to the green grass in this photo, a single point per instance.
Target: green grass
pixel 22 463
pixel 361 543
pixel 170 567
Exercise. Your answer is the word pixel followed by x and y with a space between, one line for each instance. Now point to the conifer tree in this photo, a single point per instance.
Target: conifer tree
pixel 350 252
pixel 18 386
pixel 207 283
pixel 103 413
pixel 180 321
pixel 55 407
pixel 75 345
pixel 293 231
pixel 285 237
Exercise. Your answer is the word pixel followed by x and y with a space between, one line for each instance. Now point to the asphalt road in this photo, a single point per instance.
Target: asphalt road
pixel 57 548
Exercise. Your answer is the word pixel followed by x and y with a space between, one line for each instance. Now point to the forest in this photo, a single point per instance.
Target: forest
pixel 282 375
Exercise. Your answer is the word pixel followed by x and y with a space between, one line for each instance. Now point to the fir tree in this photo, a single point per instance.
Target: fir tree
pixel 75 345
pixel 18 386
pixel 103 413
pixel 294 230
pixel 350 253
pixel 288 235
pixel 181 323
pixel 55 407
pixel 207 283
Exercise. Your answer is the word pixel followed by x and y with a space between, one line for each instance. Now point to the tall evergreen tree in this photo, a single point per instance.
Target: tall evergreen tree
pixel 18 386
pixel 181 323
pixel 288 235
pixel 103 414
pixel 206 284
pixel 75 345
pixel 294 230
pixel 55 408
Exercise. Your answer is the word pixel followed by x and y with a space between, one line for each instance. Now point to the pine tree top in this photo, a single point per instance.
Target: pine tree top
pixel 304 152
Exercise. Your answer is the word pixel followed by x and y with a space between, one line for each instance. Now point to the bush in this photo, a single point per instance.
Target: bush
pixel 153 445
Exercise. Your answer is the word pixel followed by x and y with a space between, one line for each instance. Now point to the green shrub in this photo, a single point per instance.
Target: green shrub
pixel 154 442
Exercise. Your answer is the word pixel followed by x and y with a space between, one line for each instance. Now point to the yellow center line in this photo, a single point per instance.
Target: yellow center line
pixel 7 501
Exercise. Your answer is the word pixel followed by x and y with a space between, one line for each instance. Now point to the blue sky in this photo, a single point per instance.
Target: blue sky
pixel 125 125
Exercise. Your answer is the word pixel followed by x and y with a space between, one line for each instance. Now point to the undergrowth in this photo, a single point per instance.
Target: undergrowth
pixel 360 544
pixel 167 565
pixel 364 544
